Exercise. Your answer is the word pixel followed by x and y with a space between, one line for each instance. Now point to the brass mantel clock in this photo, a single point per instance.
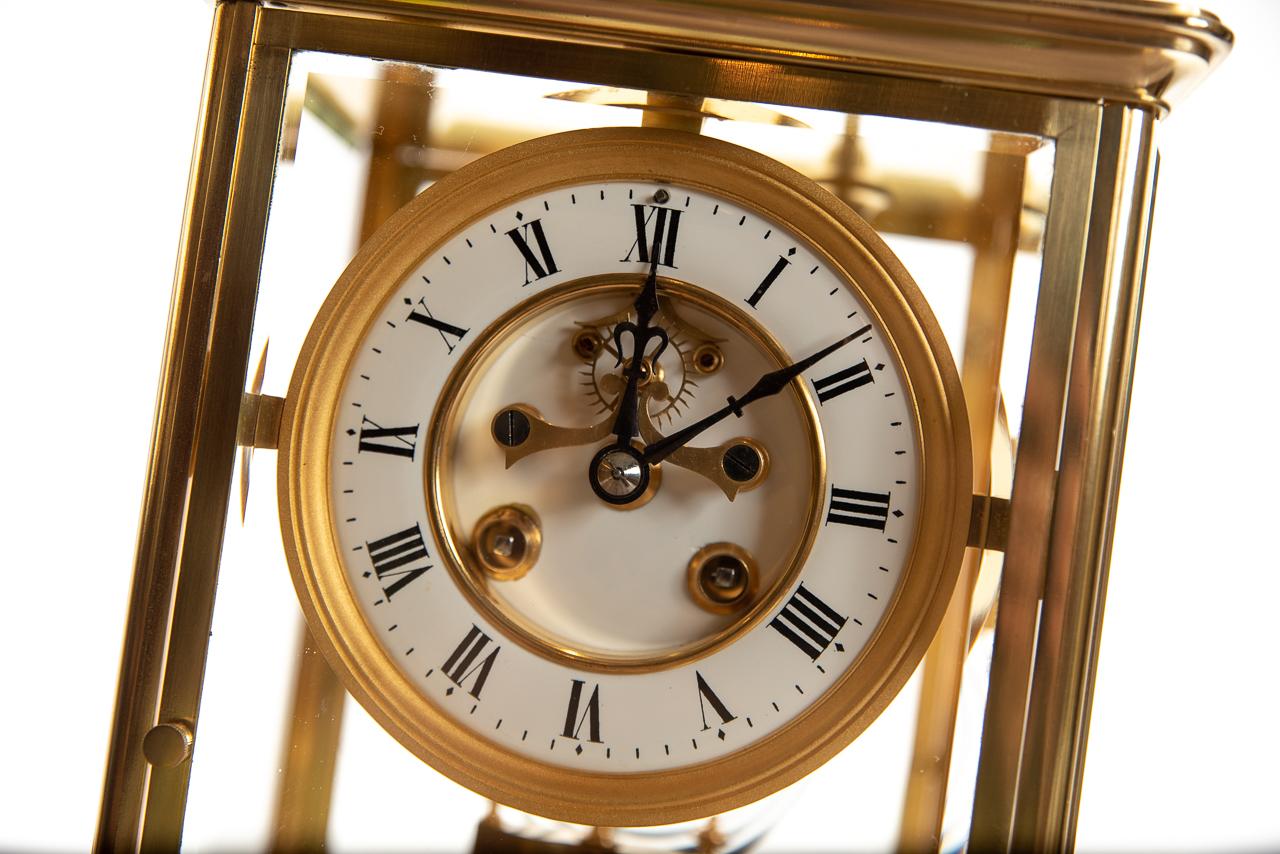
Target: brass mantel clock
pixel 704 371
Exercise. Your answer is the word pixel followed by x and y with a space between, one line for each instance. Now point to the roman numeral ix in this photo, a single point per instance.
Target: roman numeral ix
pixel 863 509
pixel 590 715
pixel 392 558
pixel 537 264
pixel 462 664
pixel 396 441
pixel 666 226
pixel 808 622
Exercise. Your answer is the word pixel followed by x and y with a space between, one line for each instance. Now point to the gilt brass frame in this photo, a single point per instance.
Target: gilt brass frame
pixel 1100 116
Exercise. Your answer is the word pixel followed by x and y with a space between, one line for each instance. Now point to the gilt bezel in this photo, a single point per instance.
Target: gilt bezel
pixel 853 249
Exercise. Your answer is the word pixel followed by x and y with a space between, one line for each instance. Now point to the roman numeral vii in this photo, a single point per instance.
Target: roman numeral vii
pixel 462 664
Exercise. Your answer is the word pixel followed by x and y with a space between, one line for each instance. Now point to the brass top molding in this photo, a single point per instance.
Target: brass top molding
pixel 1139 52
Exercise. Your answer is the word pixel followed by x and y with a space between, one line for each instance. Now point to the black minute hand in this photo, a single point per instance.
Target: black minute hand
pixel 767 386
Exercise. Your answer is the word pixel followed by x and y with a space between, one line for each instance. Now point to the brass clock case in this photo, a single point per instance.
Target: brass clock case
pixel 853 249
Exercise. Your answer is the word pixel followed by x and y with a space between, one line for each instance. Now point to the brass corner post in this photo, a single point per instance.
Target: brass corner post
pixel 193 445
pixel 1050 607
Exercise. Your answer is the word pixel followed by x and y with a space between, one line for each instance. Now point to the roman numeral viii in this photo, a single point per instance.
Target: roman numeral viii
pixel 462 664
pixel 396 441
pixel 538 262
pixel 393 558
pixel 808 622
pixel 863 509
pixel 590 715
pixel 664 225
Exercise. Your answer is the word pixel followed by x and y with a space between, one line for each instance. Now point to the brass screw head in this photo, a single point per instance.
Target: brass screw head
pixel 168 745
pixel 506 541
pixel 707 359
pixel 586 345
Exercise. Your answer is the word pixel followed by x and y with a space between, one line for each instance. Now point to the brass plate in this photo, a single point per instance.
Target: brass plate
pixel 853 249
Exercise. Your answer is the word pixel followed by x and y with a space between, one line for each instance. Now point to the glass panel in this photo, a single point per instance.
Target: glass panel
pixel 953 203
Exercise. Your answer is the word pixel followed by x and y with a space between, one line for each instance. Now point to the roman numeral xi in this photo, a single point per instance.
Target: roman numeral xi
pixel 398 559
pixel 538 261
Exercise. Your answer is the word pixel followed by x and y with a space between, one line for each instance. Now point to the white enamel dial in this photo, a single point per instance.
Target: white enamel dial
pixel 600 656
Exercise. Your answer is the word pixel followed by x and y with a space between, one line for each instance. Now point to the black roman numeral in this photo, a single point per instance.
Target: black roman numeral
pixel 808 622
pixel 590 715
pixel 392 555
pixel 403 440
pixel 462 664
pixel 864 509
pixel 770 277
pixel 539 264
pixel 446 330
pixel 842 381
pixel 707 696
pixel 664 233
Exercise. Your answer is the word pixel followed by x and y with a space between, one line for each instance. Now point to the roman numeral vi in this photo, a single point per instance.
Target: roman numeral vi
pixel 590 715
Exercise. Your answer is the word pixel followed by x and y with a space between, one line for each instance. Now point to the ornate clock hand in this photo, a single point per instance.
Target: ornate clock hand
pixel 768 385
pixel 646 306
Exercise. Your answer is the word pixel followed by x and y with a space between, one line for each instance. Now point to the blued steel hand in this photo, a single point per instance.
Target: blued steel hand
pixel 768 385
pixel 646 306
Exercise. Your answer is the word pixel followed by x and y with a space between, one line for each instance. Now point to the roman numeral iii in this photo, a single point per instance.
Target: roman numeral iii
pixel 808 622
pixel 393 558
pixel 656 230
pixel 863 509
pixel 396 441
pixel 462 664
pixel 538 262
pixel 577 716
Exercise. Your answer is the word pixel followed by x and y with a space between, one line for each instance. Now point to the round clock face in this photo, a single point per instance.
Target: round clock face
pixel 624 476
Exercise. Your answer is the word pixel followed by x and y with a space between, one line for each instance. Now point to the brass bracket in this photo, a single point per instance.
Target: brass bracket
pixel 989 523
pixel 259 425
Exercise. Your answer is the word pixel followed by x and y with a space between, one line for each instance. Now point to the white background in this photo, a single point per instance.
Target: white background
pixel 100 103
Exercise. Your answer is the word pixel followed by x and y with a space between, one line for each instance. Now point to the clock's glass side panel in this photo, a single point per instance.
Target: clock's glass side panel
pixel 962 208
